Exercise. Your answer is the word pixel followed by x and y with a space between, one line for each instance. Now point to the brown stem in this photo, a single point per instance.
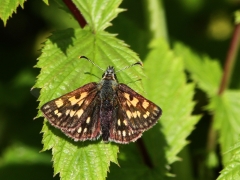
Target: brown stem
pixel 228 67
pixel 76 13
pixel 212 137
pixel 230 59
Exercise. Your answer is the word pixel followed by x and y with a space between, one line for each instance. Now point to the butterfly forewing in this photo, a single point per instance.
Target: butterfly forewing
pixel 76 113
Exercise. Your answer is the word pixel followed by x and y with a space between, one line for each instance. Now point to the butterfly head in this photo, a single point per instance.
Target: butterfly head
pixel 109 74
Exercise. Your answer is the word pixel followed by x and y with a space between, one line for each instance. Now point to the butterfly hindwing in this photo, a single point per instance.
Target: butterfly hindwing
pixel 120 130
pixel 134 115
pixel 76 113
pixel 89 127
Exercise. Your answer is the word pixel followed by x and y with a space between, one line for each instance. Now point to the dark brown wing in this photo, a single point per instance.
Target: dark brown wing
pixel 76 113
pixel 134 115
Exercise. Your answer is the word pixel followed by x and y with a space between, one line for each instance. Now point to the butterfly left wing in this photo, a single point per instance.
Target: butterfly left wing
pixel 134 115
pixel 76 113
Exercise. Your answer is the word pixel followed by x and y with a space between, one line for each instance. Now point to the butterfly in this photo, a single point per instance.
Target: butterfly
pixel 108 109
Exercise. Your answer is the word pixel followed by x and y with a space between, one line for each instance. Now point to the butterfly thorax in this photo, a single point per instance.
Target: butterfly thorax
pixel 108 84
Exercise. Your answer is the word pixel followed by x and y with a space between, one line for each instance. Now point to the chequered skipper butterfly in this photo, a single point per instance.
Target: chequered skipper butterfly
pixel 108 109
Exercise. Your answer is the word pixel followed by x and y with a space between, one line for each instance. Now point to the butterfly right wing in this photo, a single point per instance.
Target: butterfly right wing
pixel 121 131
pixel 76 113
pixel 133 115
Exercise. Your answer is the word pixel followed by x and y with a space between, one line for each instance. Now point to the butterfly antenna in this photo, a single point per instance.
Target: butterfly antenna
pixel 91 62
pixel 137 63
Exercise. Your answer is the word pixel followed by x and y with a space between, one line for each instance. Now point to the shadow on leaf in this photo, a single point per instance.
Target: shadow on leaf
pixel 63 39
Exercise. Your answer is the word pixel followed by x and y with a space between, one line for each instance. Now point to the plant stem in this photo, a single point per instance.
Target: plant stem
pixel 230 59
pixel 76 13
pixel 228 67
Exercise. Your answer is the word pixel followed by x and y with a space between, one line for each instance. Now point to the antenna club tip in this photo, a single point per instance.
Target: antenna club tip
pixel 82 57
pixel 139 63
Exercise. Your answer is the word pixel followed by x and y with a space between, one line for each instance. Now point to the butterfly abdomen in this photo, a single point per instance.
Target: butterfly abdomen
pixel 106 117
pixel 107 94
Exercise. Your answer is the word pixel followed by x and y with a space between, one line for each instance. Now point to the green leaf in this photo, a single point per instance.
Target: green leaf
pixel 99 13
pixel 207 73
pixel 204 71
pixel 19 153
pixel 237 17
pixel 232 168
pixel 8 7
pixel 78 160
pixel 62 72
pixel 46 2
pixel 166 85
pixel 155 13
pixel 227 119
